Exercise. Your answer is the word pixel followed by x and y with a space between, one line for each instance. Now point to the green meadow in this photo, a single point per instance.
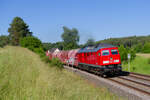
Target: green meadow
pixel 141 64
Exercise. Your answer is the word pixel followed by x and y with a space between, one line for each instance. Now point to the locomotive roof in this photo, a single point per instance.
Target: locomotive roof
pixel 94 48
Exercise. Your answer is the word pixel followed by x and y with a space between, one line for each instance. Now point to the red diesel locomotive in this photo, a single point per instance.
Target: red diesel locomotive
pixel 102 59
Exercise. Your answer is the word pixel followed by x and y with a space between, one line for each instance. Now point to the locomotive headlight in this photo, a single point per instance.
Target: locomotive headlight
pixel 105 62
pixel 116 60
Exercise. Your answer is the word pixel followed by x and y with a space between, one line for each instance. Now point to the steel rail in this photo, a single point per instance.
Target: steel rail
pixel 139 77
pixel 146 85
pixel 132 73
pixel 126 85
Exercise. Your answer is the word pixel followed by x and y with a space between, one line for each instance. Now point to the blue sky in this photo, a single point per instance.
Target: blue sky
pixel 99 19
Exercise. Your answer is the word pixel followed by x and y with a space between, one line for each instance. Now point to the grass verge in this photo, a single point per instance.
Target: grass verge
pixel 23 76
pixel 139 64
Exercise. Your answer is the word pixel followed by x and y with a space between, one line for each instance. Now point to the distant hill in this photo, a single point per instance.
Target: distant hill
pixel 126 41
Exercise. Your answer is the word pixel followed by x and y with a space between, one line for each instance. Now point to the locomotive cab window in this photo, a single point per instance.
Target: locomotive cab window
pixel 114 52
pixel 105 52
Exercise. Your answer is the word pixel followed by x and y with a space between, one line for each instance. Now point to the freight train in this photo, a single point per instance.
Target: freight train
pixel 102 59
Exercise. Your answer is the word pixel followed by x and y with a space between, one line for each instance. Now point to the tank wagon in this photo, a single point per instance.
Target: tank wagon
pixel 102 59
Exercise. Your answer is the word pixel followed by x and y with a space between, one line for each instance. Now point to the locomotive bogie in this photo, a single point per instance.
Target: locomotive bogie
pixel 101 70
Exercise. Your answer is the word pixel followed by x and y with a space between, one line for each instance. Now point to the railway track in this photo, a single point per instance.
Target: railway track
pixel 132 73
pixel 137 77
pixel 136 82
pixel 140 76
pixel 129 86
pixel 132 84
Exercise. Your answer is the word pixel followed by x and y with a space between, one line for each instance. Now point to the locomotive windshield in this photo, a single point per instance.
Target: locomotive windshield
pixel 105 52
pixel 114 52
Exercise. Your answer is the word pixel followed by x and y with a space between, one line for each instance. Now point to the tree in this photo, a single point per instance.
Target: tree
pixel 146 48
pixel 90 42
pixel 4 40
pixel 123 53
pixel 70 38
pixel 138 47
pixel 58 45
pixel 18 29
pixel 132 53
pixel 48 46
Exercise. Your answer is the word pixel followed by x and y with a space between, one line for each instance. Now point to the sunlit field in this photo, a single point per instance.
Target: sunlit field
pixel 23 76
pixel 141 64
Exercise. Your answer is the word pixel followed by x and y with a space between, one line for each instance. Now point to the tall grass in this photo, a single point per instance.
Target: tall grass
pixel 23 76
pixel 139 65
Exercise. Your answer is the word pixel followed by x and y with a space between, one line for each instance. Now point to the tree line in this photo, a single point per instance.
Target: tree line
pixel 20 35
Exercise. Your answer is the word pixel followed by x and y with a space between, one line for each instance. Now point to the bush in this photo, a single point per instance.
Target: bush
pixel 30 42
pixel 35 45
pixel 39 51
pixel 56 62
pixel 4 40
